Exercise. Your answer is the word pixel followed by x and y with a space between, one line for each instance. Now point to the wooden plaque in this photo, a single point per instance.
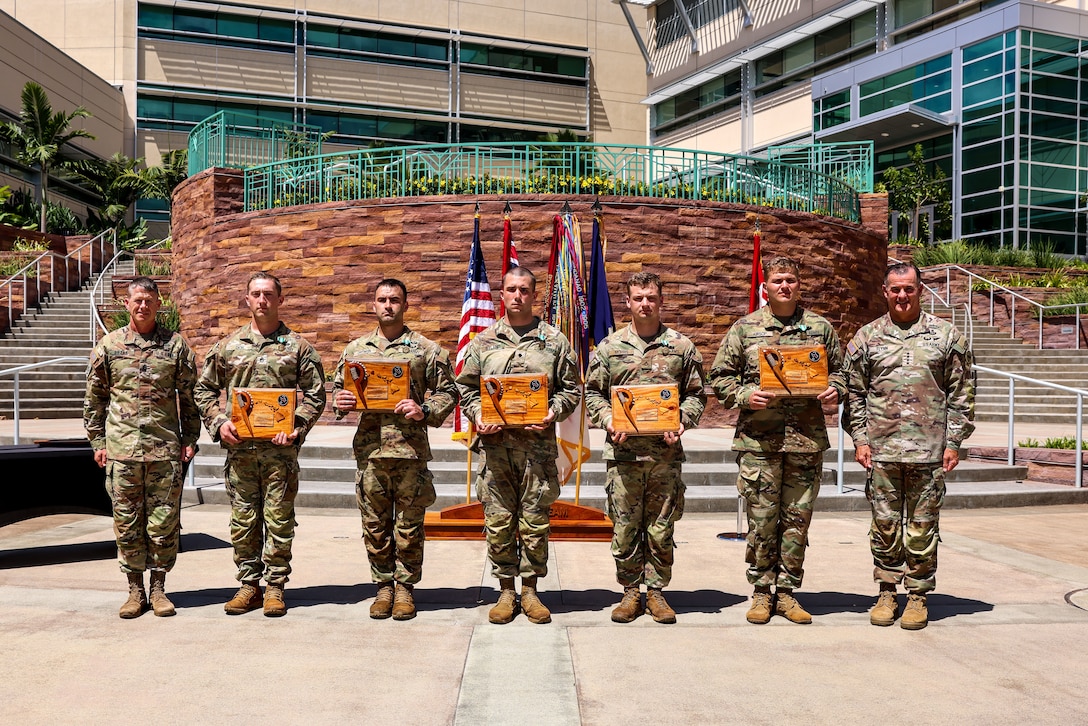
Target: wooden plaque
pixel 793 370
pixel 645 410
pixel 379 383
pixel 514 399
pixel 261 413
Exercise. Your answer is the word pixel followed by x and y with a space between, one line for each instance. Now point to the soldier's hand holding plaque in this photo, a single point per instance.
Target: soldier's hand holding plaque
pixel 646 409
pixel 514 399
pixel 793 370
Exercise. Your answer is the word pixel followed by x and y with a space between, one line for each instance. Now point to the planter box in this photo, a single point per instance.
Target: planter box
pixel 1054 466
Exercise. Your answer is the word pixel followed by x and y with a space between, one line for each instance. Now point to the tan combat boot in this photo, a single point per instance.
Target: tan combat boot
pixel 659 609
pixel 915 615
pixel 382 607
pixel 247 598
pixel 759 612
pixel 507 606
pixel 886 609
pixel 787 606
pixel 404 607
pixel 159 602
pixel 530 603
pixel 274 607
pixel 136 604
pixel 630 606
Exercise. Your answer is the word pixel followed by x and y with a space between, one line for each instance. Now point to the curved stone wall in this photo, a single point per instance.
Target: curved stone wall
pixel 329 256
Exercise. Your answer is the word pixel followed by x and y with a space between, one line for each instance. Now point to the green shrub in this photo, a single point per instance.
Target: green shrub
pixel 1063 302
pixel 1028 444
pixel 1062 442
pixel 153 266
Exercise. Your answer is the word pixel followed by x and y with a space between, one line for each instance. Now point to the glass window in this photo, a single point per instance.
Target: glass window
pixel 1054 42
pixel 279 31
pixel 1053 152
pixel 1053 63
pixel 395 46
pixel 323 36
pixel 984 92
pixel 979 203
pixel 985 68
pixel 1054 127
pixel 980 156
pixel 985 180
pixel 189 110
pixel 236 26
pixel 907 11
pixel 1043 198
pixel 986 47
pixel 833 40
pixel 151 107
pixel 982 131
pixel 192 21
pixel 327 122
pixel 1053 177
pixel 358 125
pixel 1051 105
pixel 863 28
pixel 1056 86
pixel 156 16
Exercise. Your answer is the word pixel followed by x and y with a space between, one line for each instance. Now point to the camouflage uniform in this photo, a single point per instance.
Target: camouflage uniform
pixel 139 407
pixel 518 480
pixel 912 395
pixel 780 447
pixel 644 485
pixel 261 477
pixel 393 485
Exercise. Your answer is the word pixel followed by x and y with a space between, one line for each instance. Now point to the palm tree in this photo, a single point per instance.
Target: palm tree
pixel 119 182
pixel 160 180
pixel 40 133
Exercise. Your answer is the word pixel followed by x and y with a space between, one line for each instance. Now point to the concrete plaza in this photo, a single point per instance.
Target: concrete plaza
pixel 1006 644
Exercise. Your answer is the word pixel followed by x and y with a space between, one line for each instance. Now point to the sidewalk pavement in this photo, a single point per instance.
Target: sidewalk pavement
pixel 1005 645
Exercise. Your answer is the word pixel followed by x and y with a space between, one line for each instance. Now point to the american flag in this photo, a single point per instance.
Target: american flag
pixel 477 314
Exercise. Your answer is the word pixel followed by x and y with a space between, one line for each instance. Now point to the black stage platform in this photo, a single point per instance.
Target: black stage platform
pixel 51 477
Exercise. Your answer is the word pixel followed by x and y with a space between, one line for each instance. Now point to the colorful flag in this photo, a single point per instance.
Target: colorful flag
pixel 509 253
pixel 477 314
pixel 568 310
pixel 602 322
pixel 757 298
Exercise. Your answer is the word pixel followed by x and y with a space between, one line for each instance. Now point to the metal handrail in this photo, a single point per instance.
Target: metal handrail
pixel 30 366
pixel 22 273
pixel 96 322
pixel 1080 393
pixel 993 286
pixel 100 238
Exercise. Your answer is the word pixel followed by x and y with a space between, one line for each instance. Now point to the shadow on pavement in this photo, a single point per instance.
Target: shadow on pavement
pixel 296 597
pixel 57 554
pixel 692 601
pixel 940 605
pixel 198 541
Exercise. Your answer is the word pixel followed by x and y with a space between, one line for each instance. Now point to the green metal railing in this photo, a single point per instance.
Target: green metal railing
pixel 851 161
pixel 540 168
pixel 238 140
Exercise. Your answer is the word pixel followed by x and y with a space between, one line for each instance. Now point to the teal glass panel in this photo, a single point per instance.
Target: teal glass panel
pixel 1052 105
pixel 436 50
pixel 1055 42
pixel 1044 62
pixel 1053 152
pixel 327 122
pixel 981 181
pixel 156 16
pixel 938 104
pixel 395 46
pixel 988 109
pixel 322 36
pixel 570 66
pixel 358 125
pixel 982 131
pixel 1053 219
pixel 151 107
pixel 279 31
pixel 1054 127
pixel 236 26
pixel 982 92
pixel 981 222
pixel 1056 86
pixel 396 128
pixel 192 21
pixel 985 48
pixel 980 156
pixel 941 63
pixel 1053 177
pixel 907 11
pixel 472 53
pixel 1043 198
pixel 979 203
pixel 187 110
pixel 983 69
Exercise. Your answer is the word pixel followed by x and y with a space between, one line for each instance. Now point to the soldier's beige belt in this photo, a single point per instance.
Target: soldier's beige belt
pixel 646 409
pixel 379 383
pixel 514 399
pixel 793 370
pixel 261 413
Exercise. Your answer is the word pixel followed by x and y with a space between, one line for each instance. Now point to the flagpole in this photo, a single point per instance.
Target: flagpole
pixel 468 467
pixel 581 441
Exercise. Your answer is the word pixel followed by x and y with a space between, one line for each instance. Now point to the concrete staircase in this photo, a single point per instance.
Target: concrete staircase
pixel 60 329
pixel 994 348
pixel 327 478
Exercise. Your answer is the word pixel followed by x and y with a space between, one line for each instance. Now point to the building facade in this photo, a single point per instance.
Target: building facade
pixel 996 93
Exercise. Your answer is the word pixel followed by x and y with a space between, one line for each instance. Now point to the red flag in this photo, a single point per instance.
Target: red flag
pixel 509 254
pixel 757 298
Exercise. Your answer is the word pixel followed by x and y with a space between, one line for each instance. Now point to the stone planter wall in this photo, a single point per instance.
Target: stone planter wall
pixel 1056 466
pixel 329 256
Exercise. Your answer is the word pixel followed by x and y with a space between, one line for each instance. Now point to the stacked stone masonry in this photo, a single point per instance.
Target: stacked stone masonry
pixel 329 256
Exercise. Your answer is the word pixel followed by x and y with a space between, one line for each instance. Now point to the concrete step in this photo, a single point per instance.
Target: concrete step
pixel 1026 417
pixel 67 391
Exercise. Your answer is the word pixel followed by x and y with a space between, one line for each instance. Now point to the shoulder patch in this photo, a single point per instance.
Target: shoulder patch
pixel 851 349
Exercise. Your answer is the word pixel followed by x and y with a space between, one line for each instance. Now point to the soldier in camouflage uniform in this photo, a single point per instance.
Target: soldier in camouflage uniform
pixel 143 425
pixel 518 480
pixel 644 485
pixel 911 405
pixel 394 487
pixel 261 475
pixel 780 441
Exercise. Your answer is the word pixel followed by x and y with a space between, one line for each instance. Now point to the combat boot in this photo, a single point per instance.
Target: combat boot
pixel 915 615
pixel 274 607
pixel 658 607
pixel 886 609
pixel 530 603
pixel 247 598
pixel 630 606
pixel 382 607
pixel 759 612
pixel 136 604
pixel 159 602
pixel 404 607
pixel 507 606
pixel 787 606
